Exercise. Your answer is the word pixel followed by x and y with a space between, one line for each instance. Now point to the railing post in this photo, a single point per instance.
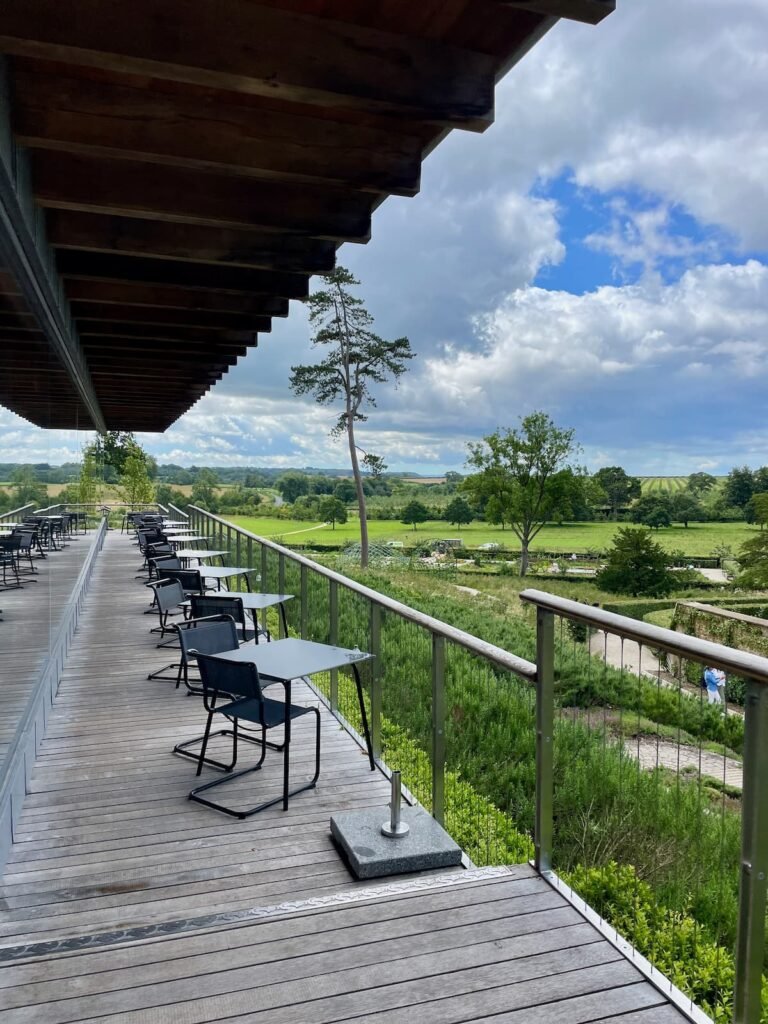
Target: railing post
pixel 304 610
pixel 438 728
pixel 376 672
pixel 545 715
pixel 333 637
pixel 249 555
pixel 750 932
pixel 264 573
pixel 280 586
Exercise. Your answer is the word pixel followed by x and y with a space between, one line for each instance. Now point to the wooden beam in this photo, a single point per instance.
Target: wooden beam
pixel 206 276
pixel 264 51
pixel 161 332
pixel 210 131
pixel 132 236
pixel 68 181
pixel 133 293
pixel 28 257
pixel 160 316
pixel 590 11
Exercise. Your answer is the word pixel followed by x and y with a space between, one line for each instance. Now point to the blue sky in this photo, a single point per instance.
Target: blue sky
pixel 601 253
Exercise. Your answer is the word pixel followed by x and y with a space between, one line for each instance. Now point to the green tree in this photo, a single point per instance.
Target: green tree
pixel 345 492
pixel 114 447
pixel 356 359
pixel 458 511
pixel 756 510
pixel 619 488
pixel 415 512
pixel 27 487
pixel 89 483
pixel 753 562
pixel 685 509
pixel 516 468
pixel 204 490
pixel 636 565
pixel 332 511
pixel 292 486
pixel 135 486
pixel 654 510
pixel 700 483
pixel 739 486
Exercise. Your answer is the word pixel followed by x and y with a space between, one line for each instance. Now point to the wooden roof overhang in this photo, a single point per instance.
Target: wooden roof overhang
pixel 172 172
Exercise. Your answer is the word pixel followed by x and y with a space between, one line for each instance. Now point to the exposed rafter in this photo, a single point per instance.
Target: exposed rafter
pixel 589 11
pixel 262 51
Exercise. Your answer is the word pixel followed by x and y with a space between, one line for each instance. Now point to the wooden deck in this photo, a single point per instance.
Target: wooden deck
pixel 29 617
pixel 124 902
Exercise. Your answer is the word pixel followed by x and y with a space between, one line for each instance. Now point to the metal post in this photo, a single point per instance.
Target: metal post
pixel 304 610
pixel 280 586
pixel 249 549
pixel 238 554
pixel 545 713
pixel 395 828
pixel 264 574
pixel 333 637
pixel 376 668
pixel 438 728
pixel 750 932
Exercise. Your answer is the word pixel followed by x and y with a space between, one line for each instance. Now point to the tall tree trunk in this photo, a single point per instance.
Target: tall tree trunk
pixel 524 556
pixel 360 493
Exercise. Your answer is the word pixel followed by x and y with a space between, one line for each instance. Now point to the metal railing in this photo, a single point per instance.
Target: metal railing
pixel 175 510
pixel 16 513
pixel 589 729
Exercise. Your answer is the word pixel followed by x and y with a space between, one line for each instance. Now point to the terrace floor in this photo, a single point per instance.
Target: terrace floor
pixel 124 902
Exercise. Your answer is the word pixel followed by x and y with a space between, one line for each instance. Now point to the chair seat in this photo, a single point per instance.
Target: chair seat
pixel 249 711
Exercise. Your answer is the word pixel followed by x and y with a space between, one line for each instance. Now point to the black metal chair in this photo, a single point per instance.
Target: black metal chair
pixel 159 561
pixel 168 597
pixel 239 684
pixel 226 604
pixel 190 580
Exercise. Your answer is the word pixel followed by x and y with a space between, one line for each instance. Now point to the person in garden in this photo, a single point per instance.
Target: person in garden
pixel 715 680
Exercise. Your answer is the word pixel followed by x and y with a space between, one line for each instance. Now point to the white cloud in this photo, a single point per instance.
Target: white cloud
pixel 538 345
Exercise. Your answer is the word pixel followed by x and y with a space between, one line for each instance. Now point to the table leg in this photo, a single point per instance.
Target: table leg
pixel 364 716
pixel 286 742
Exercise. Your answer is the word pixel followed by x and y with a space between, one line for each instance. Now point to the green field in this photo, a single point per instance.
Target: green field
pixel 662 484
pixel 700 539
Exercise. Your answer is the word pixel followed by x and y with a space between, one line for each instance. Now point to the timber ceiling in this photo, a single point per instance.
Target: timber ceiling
pixel 192 163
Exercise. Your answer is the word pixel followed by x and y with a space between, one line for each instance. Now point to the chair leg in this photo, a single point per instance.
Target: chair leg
pixel 206 735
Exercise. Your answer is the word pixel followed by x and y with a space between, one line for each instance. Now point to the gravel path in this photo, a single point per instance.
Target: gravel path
pixel 666 754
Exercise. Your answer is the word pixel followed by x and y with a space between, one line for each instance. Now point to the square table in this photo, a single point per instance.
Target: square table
pixel 254 603
pixel 177 539
pixel 282 661
pixel 224 572
pixel 185 554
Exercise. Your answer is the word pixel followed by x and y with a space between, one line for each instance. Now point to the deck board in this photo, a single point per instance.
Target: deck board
pixel 125 903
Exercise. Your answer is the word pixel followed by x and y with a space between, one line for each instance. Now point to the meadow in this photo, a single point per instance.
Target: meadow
pixel 699 539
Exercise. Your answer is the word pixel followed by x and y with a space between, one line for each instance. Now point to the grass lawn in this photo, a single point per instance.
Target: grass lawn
pixel 698 539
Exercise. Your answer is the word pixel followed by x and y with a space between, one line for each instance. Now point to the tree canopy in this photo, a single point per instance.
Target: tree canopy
pixel 619 488
pixel 415 512
pixel 516 470
pixel 654 510
pixel 636 565
pixel 458 511
pixel 332 511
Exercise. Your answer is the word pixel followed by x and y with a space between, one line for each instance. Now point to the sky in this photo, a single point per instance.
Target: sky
pixel 599 253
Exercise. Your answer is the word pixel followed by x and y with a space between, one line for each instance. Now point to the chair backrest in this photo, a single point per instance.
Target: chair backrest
pixel 219 604
pixel 218 675
pixel 209 635
pixel 168 594
pixel 189 579
pixel 159 549
pixel 163 562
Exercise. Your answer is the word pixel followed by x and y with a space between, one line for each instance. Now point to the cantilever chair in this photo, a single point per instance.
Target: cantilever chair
pixel 239 683
pixel 226 604
pixel 168 597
